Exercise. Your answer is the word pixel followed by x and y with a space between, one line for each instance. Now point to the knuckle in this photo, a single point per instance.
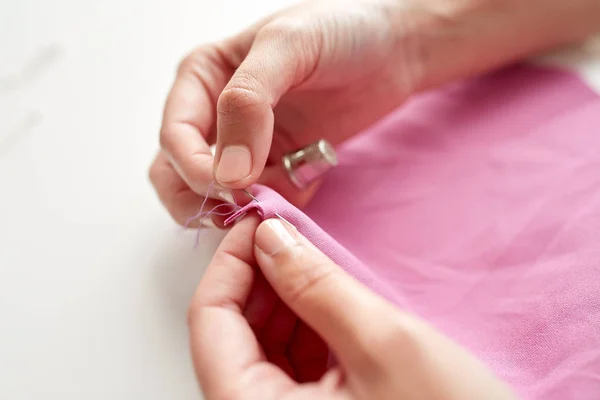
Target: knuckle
pixel 244 80
pixel 296 41
pixel 284 29
pixel 200 60
pixel 167 138
pixel 238 98
pixel 198 309
pixel 195 61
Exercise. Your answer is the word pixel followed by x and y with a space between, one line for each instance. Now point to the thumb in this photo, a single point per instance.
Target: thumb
pixel 346 314
pixel 281 56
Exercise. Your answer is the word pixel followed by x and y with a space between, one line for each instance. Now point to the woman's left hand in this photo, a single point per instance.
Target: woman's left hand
pixel 270 308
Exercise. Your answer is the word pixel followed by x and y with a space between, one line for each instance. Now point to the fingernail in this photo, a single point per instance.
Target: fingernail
pixel 273 236
pixel 216 191
pixel 226 196
pixel 235 164
pixel 208 223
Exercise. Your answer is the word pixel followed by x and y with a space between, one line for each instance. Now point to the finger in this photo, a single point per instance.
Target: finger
pixel 227 357
pixel 223 345
pixel 282 55
pixel 347 315
pixel 189 115
pixel 177 197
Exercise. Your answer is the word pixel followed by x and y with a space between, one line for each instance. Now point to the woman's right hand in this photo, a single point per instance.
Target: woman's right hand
pixel 327 70
pixel 322 69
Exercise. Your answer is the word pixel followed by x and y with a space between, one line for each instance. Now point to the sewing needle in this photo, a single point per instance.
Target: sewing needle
pixel 256 200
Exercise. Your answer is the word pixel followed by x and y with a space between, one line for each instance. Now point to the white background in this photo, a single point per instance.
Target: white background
pixel 95 279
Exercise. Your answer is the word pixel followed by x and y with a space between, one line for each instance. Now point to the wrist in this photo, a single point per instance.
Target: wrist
pixel 446 40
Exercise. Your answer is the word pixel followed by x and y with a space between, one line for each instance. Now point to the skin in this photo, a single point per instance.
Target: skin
pixel 270 306
pixel 262 319
pixel 329 69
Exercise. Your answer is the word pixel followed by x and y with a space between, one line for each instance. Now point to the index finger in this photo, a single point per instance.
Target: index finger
pixel 189 115
pixel 225 351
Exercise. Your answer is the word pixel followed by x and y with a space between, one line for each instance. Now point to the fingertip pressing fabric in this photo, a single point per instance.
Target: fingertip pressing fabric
pixel 270 204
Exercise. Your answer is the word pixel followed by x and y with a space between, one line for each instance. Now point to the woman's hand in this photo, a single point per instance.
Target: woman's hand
pixel 323 69
pixel 328 69
pixel 271 305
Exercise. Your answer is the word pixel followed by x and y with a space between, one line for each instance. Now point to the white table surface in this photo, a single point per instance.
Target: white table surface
pixel 95 279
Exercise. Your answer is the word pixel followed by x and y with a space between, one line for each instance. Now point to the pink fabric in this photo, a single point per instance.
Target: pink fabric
pixel 478 208
pixel 271 203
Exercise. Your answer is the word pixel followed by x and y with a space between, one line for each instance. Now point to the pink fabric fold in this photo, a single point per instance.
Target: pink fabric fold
pixel 270 204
